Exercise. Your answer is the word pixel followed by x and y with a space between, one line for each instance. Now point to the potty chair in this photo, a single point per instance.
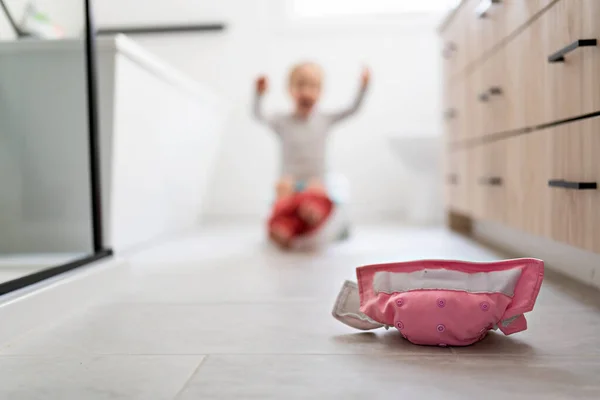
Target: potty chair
pixel 336 227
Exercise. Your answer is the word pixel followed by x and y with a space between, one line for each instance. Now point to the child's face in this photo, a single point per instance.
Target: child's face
pixel 305 88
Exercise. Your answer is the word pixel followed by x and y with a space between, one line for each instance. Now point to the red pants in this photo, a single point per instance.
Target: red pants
pixel 285 213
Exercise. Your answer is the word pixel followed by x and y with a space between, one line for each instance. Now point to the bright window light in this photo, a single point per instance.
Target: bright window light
pixel 338 8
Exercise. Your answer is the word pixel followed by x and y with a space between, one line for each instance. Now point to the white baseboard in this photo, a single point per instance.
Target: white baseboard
pixel 580 265
pixel 57 298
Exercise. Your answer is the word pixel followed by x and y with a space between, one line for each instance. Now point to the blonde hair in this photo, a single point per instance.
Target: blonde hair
pixel 295 70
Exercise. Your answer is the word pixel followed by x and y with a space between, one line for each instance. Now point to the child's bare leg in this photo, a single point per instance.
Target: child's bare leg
pixel 281 235
pixel 282 232
pixel 285 187
pixel 312 214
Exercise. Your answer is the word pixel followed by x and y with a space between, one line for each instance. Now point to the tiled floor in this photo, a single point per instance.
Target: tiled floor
pixel 221 315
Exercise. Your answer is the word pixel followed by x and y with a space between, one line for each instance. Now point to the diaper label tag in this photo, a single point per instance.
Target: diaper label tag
pixel 512 325
pixel 509 321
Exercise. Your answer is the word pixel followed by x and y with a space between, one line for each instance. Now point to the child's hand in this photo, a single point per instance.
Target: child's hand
pixel 366 77
pixel 262 84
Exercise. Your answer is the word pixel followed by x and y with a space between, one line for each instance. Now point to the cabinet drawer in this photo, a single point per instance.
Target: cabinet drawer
pixel 513 14
pixel 457 189
pixel 499 93
pixel 452 179
pixel 454 48
pixel 573 196
pixel 476 33
pixel 476 111
pixel 485 27
pixel 476 157
pixel 450 50
pixel 491 21
pixel 454 111
pixel 528 159
pixel 483 98
pixel 528 69
pixel 573 58
pixel 493 180
pixel 591 57
pixel 488 181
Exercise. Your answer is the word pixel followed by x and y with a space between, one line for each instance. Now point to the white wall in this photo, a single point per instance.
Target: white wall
pixel 404 98
pixel 160 136
pixel 403 101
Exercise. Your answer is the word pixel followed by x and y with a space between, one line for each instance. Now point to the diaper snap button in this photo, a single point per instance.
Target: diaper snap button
pixel 441 303
pixel 485 306
pixel 400 302
pixel 441 328
pixel 399 325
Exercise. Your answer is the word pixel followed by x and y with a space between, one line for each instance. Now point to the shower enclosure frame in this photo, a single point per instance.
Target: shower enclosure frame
pixel 99 251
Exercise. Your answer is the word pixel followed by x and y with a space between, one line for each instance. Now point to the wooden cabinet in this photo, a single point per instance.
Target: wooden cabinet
pixel 454 49
pixel 488 23
pixel 590 21
pixel 572 184
pixel 458 181
pixel 475 41
pixel 526 138
pixel 564 75
pixel 528 171
pixel 497 94
pixel 515 14
pixel 491 180
pixel 529 65
pixel 454 112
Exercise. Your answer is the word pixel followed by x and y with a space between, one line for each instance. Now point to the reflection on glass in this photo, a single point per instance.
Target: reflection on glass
pixel 45 217
pixel 42 19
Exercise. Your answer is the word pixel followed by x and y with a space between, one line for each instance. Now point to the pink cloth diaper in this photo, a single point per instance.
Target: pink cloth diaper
pixel 442 303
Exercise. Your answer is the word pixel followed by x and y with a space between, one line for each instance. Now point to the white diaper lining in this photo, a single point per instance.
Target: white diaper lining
pixel 503 282
pixel 361 316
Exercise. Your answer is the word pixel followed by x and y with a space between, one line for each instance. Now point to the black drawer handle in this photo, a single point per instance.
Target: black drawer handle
pixel 484 6
pixel 559 56
pixel 561 183
pixel 495 91
pixel 492 91
pixel 491 181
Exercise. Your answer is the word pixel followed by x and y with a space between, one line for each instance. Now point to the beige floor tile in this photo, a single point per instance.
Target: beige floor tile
pixel 263 319
pixel 366 377
pixel 286 328
pixel 95 378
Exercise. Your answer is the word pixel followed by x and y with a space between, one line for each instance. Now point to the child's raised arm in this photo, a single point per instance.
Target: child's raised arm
pixel 342 115
pixel 262 84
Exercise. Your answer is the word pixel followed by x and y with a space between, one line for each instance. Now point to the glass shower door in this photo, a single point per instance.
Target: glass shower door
pixel 50 211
